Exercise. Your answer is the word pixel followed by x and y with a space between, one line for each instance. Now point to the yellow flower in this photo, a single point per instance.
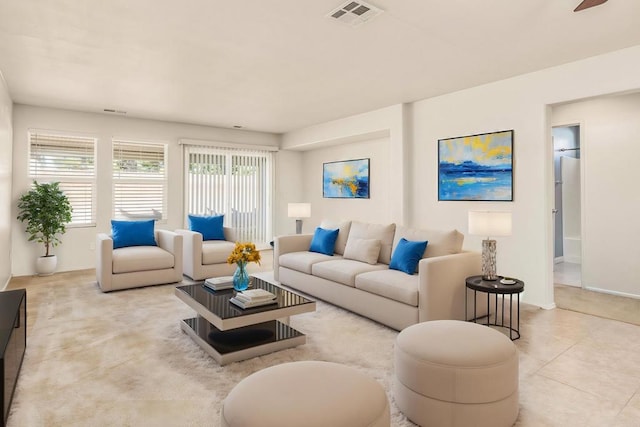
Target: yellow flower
pixel 244 252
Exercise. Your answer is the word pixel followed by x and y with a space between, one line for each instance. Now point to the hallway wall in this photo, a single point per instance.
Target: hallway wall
pixel 610 227
pixel 6 144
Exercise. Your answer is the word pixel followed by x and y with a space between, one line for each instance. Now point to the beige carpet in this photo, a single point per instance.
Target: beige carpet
pixel 598 304
pixel 120 359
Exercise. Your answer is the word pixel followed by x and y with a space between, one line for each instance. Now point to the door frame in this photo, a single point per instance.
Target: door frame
pixel 583 154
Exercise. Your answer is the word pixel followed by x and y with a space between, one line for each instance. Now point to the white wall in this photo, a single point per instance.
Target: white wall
pixel 374 209
pixel 77 249
pixel 521 103
pixel 609 147
pixel 6 142
pixel 340 140
pixel 571 209
pixel 289 169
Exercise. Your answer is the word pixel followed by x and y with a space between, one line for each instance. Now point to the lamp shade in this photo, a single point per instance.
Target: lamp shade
pixel 299 210
pixel 487 223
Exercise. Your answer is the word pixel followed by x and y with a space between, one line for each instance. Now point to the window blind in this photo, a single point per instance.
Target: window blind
pixel 139 180
pixel 234 182
pixel 69 160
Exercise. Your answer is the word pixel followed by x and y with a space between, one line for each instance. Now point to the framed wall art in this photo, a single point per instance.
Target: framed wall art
pixel 476 167
pixel 348 179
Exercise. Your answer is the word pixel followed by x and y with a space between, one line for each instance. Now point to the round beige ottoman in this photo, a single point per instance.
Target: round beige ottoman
pixel 451 373
pixel 306 394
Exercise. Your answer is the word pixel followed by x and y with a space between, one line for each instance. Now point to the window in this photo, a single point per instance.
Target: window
pixel 139 180
pixel 234 182
pixel 69 160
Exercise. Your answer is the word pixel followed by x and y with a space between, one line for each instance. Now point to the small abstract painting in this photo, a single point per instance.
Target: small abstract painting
pixel 346 179
pixel 476 167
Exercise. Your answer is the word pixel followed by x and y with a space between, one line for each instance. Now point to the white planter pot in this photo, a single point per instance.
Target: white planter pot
pixel 46 265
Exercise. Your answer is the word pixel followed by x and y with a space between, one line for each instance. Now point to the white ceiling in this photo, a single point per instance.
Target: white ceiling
pixel 279 65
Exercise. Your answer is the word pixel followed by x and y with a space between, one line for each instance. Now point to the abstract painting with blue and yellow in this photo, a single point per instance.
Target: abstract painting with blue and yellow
pixel 346 179
pixel 476 167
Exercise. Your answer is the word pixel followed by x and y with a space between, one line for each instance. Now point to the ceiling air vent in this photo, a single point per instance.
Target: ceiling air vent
pixel 354 13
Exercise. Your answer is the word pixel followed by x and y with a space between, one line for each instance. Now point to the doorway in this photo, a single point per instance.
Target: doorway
pixel 567 211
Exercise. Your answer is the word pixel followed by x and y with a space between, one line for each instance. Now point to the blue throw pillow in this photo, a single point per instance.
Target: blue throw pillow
pixel 209 226
pixel 324 241
pixel 132 233
pixel 407 255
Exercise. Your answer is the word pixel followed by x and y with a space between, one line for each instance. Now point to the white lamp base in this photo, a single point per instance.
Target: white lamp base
pixel 489 260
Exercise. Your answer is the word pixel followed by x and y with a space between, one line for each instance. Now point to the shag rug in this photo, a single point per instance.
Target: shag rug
pixel 120 359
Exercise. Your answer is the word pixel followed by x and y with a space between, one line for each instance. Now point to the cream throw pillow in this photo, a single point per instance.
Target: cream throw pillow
pixel 365 250
pixel 384 233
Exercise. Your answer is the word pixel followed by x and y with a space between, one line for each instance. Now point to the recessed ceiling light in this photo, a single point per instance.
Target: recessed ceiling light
pixel 237 126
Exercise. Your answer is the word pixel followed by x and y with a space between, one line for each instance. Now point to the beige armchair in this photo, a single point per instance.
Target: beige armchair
pixel 137 266
pixel 204 259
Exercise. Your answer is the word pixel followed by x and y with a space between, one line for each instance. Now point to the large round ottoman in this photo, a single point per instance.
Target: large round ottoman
pixel 451 373
pixel 306 394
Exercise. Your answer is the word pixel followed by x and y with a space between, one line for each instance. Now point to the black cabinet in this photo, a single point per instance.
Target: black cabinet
pixel 13 342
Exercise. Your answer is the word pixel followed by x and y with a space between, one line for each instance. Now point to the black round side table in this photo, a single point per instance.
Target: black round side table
pixel 497 287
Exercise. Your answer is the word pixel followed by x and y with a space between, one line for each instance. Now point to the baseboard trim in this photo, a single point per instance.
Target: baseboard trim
pixel 550 306
pixel 4 287
pixel 610 292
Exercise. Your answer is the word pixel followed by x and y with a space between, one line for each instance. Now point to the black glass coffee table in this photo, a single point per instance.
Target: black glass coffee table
pixel 229 333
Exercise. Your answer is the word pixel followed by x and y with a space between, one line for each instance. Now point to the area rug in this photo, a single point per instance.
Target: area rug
pixel 120 359
pixel 598 304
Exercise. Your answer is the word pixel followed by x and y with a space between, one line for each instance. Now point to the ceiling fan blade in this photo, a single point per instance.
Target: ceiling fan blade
pixel 586 4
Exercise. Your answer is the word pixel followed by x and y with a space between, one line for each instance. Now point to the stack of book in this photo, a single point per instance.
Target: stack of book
pixel 253 298
pixel 219 283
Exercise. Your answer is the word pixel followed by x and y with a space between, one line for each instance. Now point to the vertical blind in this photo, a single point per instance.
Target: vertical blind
pixel 69 160
pixel 139 180
pixel 235 182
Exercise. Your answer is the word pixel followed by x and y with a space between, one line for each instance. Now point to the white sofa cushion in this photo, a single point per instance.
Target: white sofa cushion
pixel 365 250
pixel 343 270
pixel 392 284
pixel 384 233
pixel 343 234
pixel 302 261
pixel 440 242
pixel 216 251
pixel 141 258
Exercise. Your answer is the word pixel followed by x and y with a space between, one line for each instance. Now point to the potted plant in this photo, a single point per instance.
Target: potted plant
pixel 46 211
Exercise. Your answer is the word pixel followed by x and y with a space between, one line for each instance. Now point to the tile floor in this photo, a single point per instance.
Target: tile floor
pixel 567 273
pixel 578 370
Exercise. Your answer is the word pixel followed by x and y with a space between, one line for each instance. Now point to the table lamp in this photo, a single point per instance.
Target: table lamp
pixel 299 211
pixel 494 224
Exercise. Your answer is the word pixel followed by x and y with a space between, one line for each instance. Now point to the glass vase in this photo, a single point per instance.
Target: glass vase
pixel 241 277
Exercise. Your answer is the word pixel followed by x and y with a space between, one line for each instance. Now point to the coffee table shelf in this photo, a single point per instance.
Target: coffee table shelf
pixel 241 343
pixel 230 334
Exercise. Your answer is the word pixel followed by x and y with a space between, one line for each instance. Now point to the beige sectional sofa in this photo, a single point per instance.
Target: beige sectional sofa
pixel 136 266
pixel 207 258
pixel 351 279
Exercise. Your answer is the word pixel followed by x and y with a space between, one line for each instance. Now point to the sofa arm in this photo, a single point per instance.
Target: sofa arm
pixel 104 261
pixel 169 241
pixel 442 285
pixel 230 234
pixel 288 243
pixel 172 242
pixel 191 250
